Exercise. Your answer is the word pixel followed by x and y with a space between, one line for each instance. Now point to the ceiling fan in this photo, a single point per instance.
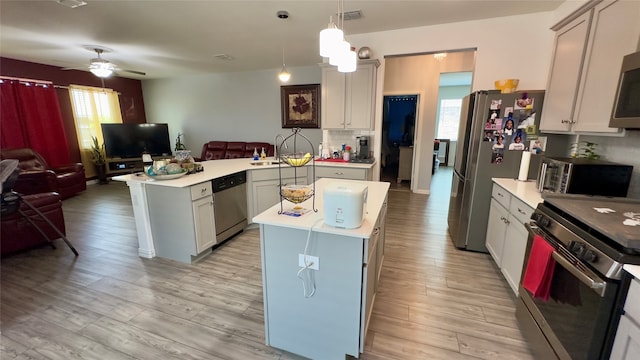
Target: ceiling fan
pixel 104 68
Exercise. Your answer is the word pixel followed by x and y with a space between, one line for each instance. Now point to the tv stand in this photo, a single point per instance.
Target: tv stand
pixel 127 165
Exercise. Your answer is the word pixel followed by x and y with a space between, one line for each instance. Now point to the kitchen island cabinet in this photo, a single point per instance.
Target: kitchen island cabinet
pixel 182 220
pixel 328 316
pixel 153 202
pixel 512 203
pixel 348 98
pixel 586 62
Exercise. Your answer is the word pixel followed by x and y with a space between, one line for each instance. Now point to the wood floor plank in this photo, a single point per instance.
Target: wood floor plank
pixel 58 343
pixel 148 297
pixel 208 339
pixel 139 343
pixel 396 348
pixel 487 349
pixel 10 349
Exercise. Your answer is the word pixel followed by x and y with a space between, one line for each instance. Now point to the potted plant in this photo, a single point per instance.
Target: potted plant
pixel 99 159
pixel 585 149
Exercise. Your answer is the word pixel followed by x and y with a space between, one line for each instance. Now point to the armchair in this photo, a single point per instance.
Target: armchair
pixel 66 180
pixel 17 234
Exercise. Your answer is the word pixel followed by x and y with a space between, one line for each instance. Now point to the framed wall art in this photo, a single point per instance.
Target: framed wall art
pixel 300 106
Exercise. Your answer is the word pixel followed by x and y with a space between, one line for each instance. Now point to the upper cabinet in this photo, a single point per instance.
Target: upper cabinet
pixel 586 62
pixel 348 98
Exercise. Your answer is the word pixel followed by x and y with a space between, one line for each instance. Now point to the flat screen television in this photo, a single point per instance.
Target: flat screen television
pixel 132 140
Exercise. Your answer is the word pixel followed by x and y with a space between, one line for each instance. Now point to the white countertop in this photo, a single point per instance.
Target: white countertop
pixel 633 270
pixel 523 190
pixel 217 168
pixel 377 193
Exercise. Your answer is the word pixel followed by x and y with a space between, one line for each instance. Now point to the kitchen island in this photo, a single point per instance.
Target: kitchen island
pixel 188 201
pixel 327 317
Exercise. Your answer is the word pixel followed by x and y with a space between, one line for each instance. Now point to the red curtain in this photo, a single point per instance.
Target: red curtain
pixel 30 117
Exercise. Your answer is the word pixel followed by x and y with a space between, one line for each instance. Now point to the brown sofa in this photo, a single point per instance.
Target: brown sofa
pixel 216 150
pixel 17 234
pixel 66 180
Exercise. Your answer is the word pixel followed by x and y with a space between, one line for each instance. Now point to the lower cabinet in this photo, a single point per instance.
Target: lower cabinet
pixel 342 172
pixel 506 237
pixel 182 221
pixel 264 190
pixel 627 342
pixel 496 231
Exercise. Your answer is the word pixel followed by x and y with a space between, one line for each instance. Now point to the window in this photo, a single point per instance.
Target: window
pixel 449 119
pixel 92 107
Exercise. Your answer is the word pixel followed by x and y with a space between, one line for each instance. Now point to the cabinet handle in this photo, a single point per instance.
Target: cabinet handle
pixel 500 194
pixel 339 173
pixel 522 212
pixel 203 191
pixel 564 121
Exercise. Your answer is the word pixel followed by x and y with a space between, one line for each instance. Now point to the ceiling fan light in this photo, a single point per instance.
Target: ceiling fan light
pixel 349 62
pixel 284 75
pixel 101 69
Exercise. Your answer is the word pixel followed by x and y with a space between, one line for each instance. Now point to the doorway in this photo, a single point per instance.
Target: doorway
pixel 399 115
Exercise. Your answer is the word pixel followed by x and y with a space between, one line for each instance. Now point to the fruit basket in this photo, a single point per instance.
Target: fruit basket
pixel 296 193
pixel 297 159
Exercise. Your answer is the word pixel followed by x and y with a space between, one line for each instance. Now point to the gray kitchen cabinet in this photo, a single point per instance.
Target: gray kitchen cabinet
pixel 348 99
pixel 182 221
pixel 506 237
pixel 343 172
pixel 496 231
pixel 264 190
pixel 627 342
pixel 586 62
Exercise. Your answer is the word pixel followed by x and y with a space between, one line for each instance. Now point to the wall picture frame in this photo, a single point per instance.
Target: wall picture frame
pixel 300 106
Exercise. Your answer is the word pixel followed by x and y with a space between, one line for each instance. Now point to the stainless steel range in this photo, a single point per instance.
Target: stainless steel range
pixel 591 239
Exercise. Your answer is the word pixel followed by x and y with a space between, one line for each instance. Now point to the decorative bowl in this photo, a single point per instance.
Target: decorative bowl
pixel 296 193
pixel 507 86
pixel 297 159
pixel 168 176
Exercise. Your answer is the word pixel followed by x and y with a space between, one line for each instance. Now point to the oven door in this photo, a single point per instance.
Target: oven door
pixel 576 318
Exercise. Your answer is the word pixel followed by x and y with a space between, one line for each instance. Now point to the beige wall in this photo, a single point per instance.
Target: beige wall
pixel 420 74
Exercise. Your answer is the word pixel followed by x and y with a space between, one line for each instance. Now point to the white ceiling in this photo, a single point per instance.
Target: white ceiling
pixel 181 37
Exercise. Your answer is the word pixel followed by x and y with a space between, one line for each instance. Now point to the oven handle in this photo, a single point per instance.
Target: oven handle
pixel 597 286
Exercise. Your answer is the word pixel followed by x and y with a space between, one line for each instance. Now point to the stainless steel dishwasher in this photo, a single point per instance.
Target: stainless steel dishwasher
pixel 230 205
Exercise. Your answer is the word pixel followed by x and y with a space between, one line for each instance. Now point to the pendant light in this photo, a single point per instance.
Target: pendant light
pixel 335 47
pixel 329 39
pixel 283 75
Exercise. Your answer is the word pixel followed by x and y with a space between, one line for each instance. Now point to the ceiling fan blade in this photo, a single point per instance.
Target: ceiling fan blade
pixel 74 68
pixel 133 72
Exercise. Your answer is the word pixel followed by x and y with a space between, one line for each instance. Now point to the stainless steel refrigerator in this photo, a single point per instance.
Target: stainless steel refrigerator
pixel 480 157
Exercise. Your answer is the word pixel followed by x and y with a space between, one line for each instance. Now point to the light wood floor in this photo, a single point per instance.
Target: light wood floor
pixel 435 302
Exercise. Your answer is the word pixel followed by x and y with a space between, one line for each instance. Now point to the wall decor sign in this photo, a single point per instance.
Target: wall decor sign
pixel 300 106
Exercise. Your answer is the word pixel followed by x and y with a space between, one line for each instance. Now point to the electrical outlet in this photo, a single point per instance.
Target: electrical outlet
pixel 313 260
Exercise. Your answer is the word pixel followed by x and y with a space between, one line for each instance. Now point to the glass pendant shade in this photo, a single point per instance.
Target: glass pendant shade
pixel 284 75
pixel 329 40
pixel 349 62
pixel 342 52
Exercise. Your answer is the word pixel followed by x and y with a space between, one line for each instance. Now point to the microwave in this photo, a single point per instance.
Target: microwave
pixel 626 107
pixel 583 176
